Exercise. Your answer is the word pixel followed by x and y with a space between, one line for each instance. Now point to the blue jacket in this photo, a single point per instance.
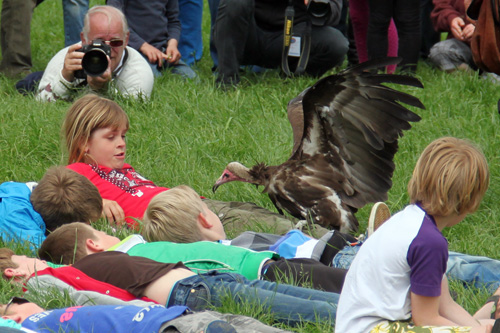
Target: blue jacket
pixel 19 222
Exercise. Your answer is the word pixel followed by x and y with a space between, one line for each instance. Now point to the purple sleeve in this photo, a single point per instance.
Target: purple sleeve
pixel 427 257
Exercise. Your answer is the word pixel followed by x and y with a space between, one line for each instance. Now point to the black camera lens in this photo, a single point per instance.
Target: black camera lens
pixel 95 62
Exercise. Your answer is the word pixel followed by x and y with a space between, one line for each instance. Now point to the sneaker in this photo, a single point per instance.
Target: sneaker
pixel 378 215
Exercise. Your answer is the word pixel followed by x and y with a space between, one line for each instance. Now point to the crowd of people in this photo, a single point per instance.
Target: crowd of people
pixel 176 266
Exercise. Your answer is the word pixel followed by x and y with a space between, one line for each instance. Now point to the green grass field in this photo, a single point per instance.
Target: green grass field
pixel 187 132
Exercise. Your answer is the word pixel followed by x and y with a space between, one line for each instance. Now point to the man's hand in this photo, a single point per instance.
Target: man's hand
pixel 153 54
pixel 72 62
pixel 113 211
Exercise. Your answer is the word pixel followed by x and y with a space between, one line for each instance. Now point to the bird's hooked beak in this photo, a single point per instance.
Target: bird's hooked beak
pixel 224 178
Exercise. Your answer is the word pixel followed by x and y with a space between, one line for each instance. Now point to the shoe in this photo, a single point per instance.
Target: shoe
pixel 220 326
pixel 378 215
pixel 227 82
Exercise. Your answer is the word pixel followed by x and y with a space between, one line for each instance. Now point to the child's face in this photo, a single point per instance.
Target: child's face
pixel 107 147
pixel 19 312
pixel 27 265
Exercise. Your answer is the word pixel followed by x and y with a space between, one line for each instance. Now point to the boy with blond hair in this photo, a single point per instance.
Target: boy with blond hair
pixel 397 279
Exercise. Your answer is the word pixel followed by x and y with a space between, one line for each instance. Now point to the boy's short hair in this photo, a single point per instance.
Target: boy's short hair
pixel 450 177
pixel 67 244
pixel 6 260
pixel 172 216
pixel 63 196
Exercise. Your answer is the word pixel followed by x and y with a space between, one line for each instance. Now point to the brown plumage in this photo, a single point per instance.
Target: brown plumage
pixel 345 129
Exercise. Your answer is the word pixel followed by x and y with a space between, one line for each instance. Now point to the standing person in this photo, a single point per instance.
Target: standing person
pixel 15 32
pixel 406 15
pixel 398 276
pixel 191 42
pixel 127 73
pixel 95 130
pixel 155 31
pixel 250 32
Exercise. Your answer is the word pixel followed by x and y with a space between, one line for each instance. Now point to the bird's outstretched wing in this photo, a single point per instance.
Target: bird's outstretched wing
pixel 354 120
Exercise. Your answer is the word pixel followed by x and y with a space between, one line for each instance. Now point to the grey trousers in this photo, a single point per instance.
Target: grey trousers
pixel 15 36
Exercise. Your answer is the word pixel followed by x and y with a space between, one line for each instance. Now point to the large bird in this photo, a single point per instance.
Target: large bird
pixel 345 129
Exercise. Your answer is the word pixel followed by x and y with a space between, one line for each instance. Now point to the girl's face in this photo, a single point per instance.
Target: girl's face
pixel 107 147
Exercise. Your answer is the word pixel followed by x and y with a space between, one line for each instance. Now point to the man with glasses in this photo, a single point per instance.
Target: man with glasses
pixel 128 73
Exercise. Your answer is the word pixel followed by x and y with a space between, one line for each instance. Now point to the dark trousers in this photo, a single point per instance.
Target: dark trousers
pixel 239 41
pixel 15 36
pixel 406 15
pixel 307 273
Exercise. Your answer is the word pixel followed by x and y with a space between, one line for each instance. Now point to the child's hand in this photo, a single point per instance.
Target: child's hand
pixel 456 27
pixel 113 211
pixel 153 54
pixel 172 52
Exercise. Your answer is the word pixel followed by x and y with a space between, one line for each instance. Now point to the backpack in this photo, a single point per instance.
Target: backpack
pixel 485 43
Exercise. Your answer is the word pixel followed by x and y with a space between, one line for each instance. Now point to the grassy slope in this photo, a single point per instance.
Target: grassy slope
pixel 188 132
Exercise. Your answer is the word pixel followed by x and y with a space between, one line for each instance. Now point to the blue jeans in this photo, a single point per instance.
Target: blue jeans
pixel 180 69
pixel 74 11
pixel 190 43
pixel 481 272
pixel 289 304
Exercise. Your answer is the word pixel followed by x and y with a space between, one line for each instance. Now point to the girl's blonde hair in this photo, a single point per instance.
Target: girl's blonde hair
pixel 173 216
pixel 451 177
pixel 87 114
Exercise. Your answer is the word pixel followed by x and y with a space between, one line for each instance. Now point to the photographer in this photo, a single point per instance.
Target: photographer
pixel 250 32
pixel 127 72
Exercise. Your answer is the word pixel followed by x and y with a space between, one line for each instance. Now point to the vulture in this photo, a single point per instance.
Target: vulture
pixel 345 131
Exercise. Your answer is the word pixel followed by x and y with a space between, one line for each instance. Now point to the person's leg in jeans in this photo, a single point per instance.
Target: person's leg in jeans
pixel 15 37
pixel 74 11
pixel 234 27
pixel 475 270
pixel 190 44
pixel 407 19
pixel 288 304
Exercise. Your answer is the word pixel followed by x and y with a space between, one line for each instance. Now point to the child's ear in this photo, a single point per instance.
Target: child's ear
pixel 92 246
pixel 202 220
pixel 13 273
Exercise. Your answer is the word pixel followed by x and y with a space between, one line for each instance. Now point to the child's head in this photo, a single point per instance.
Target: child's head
pixel 94 130
pixel 64 196
pixel 18 267
pixel 71 242
pixel 179 215
pixel 451 177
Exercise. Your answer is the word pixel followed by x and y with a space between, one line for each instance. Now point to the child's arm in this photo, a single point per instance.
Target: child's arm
pixel 440 311
pixel 112 211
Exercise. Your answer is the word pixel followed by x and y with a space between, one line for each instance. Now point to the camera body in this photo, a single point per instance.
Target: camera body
pixel 95 61
pixel 319 11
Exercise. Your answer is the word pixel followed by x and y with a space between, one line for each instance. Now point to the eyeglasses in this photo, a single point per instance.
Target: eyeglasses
pixel 14 300
pixel 115 42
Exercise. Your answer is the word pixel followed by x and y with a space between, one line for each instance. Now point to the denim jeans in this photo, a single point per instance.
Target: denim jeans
pixel 289 304
pixel 180 69
pixel 74 11
pixel 481 272
pixel 190 44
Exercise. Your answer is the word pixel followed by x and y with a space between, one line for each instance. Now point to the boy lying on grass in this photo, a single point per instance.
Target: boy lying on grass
pixel 174 284
pixel 29 317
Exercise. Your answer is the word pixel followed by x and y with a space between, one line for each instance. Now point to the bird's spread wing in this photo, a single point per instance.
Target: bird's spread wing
pixel 354 120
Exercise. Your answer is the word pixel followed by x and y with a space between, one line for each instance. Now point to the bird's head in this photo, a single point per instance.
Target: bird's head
pixel 234 171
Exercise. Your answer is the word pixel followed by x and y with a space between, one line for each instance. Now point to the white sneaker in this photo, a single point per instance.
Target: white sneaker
pixel 378 215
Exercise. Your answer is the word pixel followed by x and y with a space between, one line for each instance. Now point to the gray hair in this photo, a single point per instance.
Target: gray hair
pixel 110 12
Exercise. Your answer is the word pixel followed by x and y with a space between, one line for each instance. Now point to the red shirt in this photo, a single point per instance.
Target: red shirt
pixel 128 188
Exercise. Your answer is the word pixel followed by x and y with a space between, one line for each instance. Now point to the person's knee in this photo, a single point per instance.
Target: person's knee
pixel 330 48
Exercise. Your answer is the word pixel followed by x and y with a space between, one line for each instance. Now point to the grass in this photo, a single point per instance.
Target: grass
pixel 188 132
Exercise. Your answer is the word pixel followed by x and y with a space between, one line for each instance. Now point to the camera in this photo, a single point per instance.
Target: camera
pixel 95 60
pixel 319 11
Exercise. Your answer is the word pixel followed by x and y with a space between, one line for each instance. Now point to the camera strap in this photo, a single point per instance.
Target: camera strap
pixel 305 46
